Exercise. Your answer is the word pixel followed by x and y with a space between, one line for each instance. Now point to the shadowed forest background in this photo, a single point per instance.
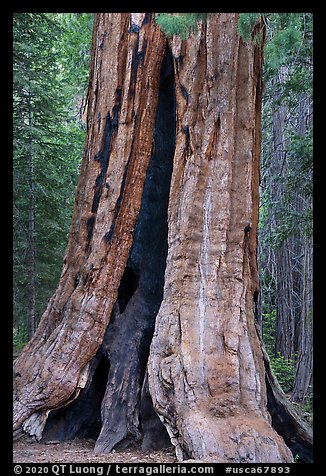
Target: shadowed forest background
pixel 51 68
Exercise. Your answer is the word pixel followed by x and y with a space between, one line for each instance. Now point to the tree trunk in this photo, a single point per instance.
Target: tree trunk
pixel 31 249
pixel 304 369
pixel 285 308
pixel 293 254
pixel 165 228
pixel 206 371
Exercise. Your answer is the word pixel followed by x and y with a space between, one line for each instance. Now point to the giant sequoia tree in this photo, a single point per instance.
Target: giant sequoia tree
pixel 154 312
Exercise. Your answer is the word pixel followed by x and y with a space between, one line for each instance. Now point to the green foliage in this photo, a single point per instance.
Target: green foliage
pixel 284 370
pixel 19 338
pixel 184 24
pixel 289 40
pixel 73 53
pixel 246 24
pixel 288 84
pixel 296 179
pixel 300 159
pixel 269 325
pixel 283 41
pixel 50 74
pixel 285 226
pixel 180 24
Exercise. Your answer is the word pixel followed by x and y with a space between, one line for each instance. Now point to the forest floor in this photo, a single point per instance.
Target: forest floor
pixel 81 451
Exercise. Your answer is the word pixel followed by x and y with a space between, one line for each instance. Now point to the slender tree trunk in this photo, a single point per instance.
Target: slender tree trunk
pixel 165 228
pixel 304 369
pixel 31 249
pixel 305 345
pixel 293 262
pixel 285 309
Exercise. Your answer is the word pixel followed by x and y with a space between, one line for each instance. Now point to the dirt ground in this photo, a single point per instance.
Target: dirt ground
pixel 81 451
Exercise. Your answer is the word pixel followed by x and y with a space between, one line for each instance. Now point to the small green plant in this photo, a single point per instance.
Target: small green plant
pixel 307 405
pixel 19 338
pixel 284 370
pixel 269 324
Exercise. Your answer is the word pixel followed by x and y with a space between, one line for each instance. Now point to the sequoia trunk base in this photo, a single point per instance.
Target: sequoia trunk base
pixel 155 305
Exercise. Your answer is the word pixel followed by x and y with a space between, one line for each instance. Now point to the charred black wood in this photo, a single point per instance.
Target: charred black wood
pixel 90 227
pixel 155 434
pixel 130 330
pixel 82 417
pixel 184 92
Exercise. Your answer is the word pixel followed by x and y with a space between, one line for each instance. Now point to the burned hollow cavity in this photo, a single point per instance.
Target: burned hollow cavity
pixel 122 413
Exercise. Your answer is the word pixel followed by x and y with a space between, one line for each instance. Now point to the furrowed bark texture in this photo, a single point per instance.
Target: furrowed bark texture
pixel 206 371
pixel 127 53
